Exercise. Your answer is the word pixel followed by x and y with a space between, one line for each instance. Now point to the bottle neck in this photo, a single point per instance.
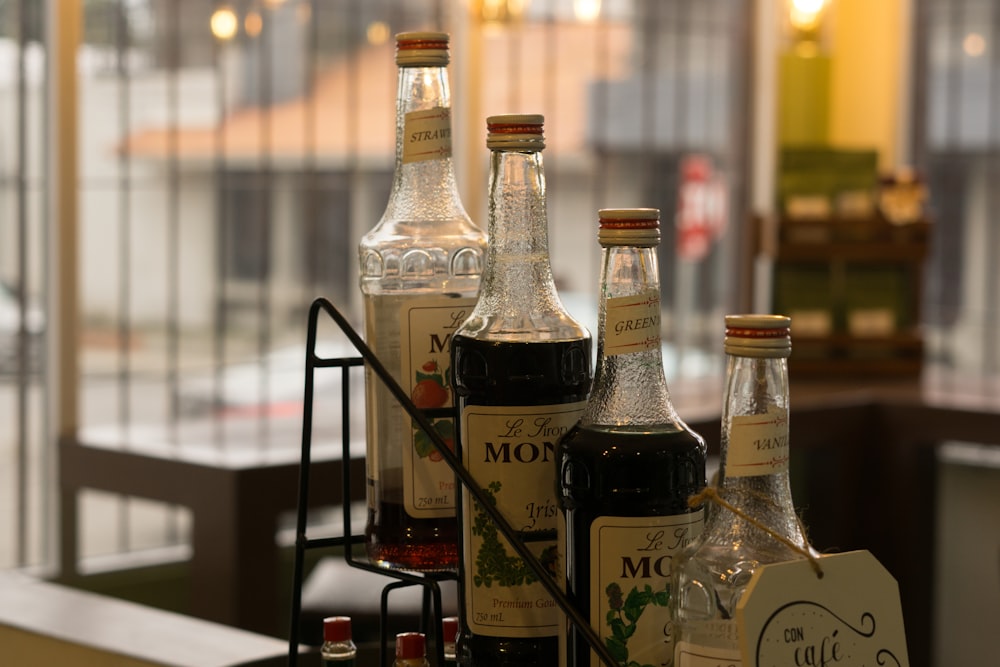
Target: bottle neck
pixel 629 384
pixel 754 448
pixel 518 295
pixel 423 184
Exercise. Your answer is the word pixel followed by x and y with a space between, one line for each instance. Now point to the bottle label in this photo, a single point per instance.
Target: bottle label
pixel 427 135
pixel 758 444
pixel 632 323
pixel 510 452
pixel 631 566
pixel 694 655
pixel 426 327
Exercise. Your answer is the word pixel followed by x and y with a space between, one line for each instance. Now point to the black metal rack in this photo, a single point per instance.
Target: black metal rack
pixel 431 610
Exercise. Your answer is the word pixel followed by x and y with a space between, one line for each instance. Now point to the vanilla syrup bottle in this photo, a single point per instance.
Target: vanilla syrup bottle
pixel 522 372
pixel 711 575
pixel 628 467
pixel 420 272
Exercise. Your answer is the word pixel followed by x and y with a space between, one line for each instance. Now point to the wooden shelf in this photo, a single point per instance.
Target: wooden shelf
pixel 860 283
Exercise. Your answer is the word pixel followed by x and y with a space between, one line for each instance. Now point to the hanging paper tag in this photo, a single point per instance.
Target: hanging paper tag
pixel 849 617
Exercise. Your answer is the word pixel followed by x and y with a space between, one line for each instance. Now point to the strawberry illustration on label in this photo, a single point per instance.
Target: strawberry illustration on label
pixel 430 390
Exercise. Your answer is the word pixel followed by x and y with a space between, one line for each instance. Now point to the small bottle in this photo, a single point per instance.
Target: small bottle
pixel 420 271
pixel 522 371
pixel 711 575
pixel 449 633
pixel 628 467
pixel 338 646
pixel 411 650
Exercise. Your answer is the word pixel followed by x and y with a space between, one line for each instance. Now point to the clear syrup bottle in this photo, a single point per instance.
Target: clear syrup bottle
pixel 338 648
pixel 411 650
pixel 522 369
pixel 420 272
pixel 712 574
pixel 449 633
pixel 629 466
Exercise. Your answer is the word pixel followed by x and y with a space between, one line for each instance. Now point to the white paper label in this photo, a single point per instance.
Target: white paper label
pixel 849 617
pixel 426 327
pixel 758 444
pixel 427 135
pixel 693 655
pixel 510 452
pixel 632 323
pixel 631 565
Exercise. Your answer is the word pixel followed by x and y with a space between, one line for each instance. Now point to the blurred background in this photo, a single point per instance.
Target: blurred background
pixel 180 179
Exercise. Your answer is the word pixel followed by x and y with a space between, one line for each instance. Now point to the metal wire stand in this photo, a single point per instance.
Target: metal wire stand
pixel 431 612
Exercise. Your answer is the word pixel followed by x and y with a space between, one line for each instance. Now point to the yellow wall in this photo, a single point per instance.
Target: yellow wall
pixel 867 49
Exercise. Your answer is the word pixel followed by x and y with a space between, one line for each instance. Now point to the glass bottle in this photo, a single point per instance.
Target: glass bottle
pixel 628 467
pixel 338 646
pixel 711 575
pixel 522 372
pixel 420 272
pixel 449 631
pixel 411 650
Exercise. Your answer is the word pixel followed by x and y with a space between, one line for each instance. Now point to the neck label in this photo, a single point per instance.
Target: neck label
pixel 427 135
pixel 758 444
pixel 632 323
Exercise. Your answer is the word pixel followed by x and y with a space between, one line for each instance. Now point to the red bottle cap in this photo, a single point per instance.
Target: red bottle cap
pixel 337 629
pixel 410 645
pixel 449 628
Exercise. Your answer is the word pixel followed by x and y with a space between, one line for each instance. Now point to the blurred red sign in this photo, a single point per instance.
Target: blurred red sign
pixel 702 207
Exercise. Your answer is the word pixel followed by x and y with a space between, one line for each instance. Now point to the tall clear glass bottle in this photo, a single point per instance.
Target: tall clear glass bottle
pixel 420 272
pixel 522 372
pixel 628 467
pixel 712 574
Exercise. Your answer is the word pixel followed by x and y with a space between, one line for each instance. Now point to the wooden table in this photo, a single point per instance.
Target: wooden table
pixel 235 501
pixel 864 477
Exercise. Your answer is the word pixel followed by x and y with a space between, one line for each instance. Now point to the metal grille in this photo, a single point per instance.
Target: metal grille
pixel 225 179
pixel 25 463
pixel 245 168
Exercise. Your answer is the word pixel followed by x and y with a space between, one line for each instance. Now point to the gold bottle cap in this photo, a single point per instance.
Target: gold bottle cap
pixel 639 227
pixel 515 131
pixel 422 49
pixel 758 335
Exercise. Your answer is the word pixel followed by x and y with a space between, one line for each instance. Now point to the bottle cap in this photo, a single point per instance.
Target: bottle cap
pixel 629 227
pixel 410 645
pixel 422 49
pixel 515 131
pixel 336 628
pixel 449 628
pixel 758 335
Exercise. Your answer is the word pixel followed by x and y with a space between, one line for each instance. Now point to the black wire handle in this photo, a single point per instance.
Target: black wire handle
pixel 582 624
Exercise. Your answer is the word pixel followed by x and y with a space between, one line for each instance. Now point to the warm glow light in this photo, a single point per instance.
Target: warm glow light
pixel 586 10
pixel 493 10
pixel 499 11
pixel 974 45
pixel 253 24
pixel 377 33
pixel 804 14
pixel 224 23
pixel 808 6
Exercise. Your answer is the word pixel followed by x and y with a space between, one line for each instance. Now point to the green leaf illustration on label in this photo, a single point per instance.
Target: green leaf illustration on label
pixel 624 613
pixel 422 443
pixel 493 562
